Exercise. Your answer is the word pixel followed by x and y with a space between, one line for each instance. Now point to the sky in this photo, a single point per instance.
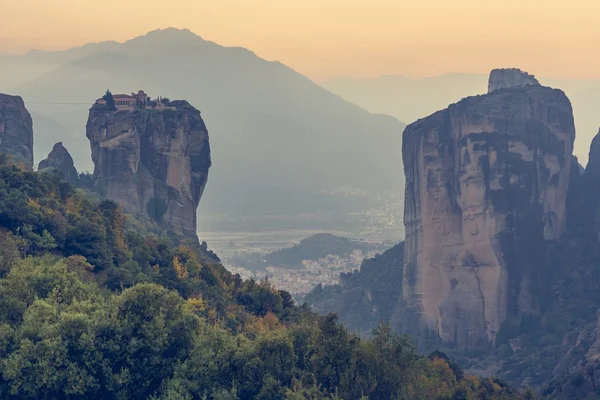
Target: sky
pixel 327 38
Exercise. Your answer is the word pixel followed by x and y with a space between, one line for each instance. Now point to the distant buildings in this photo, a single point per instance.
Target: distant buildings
pixel 298 282
pixel 139 99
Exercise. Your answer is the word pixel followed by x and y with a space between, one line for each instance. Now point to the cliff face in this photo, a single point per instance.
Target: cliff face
pixel 577 374
pixel 16 130
pixel 152 162
pixel 590 190
pixel 593 166
pixel 486 189
pixel 60 160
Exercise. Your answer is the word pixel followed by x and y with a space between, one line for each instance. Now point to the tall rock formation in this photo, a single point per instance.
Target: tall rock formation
pixel 593 166
pixel 60 160
pixel 486 190
pixel 587 195
pixel 16 130
pixel 153 162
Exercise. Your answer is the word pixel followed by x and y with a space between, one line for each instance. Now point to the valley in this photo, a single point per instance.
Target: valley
pixel 244 253
pixel 185 218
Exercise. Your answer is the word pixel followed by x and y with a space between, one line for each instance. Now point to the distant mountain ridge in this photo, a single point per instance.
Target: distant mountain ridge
pixel 271 125
pixel 314 248
pixel 410 99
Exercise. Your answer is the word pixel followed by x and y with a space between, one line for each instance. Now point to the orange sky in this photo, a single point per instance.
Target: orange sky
pixel 326 38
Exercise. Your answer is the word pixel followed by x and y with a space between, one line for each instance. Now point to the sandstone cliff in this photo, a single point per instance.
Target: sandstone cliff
pixel 61 161
pixel 16 130
pixel 486 190
pixel 152 162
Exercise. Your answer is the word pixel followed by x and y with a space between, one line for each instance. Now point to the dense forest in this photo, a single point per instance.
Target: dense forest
pixel 97 304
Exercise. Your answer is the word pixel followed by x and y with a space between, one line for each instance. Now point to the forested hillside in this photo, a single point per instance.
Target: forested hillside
pixel 95 304
pixel 365 297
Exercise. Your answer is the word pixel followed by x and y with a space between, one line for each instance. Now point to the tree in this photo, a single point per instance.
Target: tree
pixel 146 334
pixel 60 362
pixel 110 101
pixel 9 253
pixel 334 355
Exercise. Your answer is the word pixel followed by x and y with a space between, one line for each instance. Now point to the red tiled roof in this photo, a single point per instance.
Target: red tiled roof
pixel 123 96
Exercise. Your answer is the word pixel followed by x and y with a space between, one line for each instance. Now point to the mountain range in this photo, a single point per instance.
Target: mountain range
pixel 278 137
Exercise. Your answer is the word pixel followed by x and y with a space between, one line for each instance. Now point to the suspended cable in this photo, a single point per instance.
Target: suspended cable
pixel 57 103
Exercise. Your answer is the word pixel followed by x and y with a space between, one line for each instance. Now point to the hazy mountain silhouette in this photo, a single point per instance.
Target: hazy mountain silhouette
pixel 20 69
pixel 268 125
pixel 411 99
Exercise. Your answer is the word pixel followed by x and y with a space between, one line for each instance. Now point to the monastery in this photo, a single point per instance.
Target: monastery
pixel 139 99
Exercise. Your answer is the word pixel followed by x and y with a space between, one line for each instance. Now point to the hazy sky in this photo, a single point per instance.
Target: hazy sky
pixel 326 38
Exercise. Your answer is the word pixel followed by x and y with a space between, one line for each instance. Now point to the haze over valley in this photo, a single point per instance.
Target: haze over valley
pixel 286 149
pixel 299 200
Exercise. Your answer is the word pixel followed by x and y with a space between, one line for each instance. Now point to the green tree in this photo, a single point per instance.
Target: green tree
pixel 54 354
pixel 110 101
pixel 146 334
pixel 276 353
pixel 335 354
pixel 219 361
pixel 9 253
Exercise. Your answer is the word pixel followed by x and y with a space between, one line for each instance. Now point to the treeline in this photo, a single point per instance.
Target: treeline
pixel 97 305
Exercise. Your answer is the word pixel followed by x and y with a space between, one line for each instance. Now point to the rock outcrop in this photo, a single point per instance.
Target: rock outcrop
pixel 16 130
pixel 152 162
pixel 590 190
pixel 510 77
pixel 486 190
pixel 61 161
pixel 593 166
pixel 577 374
